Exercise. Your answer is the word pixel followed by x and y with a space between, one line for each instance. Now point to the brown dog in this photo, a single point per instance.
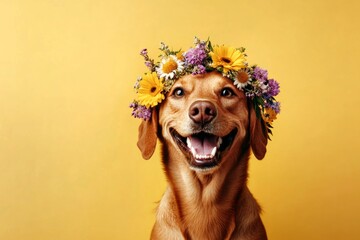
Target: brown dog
pixel 206 127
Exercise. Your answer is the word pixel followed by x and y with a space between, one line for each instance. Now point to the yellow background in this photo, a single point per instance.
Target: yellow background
pixel 69 166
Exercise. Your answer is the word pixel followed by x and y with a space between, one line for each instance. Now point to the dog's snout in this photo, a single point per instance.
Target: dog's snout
pixel 202 112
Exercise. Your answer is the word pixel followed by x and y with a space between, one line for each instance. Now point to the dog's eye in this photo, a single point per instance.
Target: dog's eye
pixel 227 92
pixel 178 92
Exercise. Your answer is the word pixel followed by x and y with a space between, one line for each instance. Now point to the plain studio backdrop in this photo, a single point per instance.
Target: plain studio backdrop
pixel 69 165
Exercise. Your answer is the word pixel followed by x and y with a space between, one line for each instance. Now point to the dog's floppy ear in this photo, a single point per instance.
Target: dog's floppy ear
pixel 148 135
pixel 258 135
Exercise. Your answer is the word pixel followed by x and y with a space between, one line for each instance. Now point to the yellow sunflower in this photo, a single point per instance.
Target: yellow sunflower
pixel 269 115
pixel 228 58
pixel 150 90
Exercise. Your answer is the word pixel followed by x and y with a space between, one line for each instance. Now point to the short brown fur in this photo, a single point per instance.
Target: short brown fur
pixel 213 204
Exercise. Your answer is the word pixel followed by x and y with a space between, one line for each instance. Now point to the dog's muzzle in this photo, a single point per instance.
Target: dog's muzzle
pixel 203 150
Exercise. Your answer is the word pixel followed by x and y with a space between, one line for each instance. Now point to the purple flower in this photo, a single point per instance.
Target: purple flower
pixel 195 56
pixel 148 62
pixel 199 69
pixel 144 52
pixel 260 74
pixel 140 111
pixel 274 88
pixel 273 105
pixel 150 65
pixel 262 87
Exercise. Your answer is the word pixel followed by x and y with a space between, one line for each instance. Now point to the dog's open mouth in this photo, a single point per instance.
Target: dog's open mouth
pixel 204 150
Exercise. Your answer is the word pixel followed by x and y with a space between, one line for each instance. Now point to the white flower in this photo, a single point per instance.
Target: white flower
pixel 169 67
pixel 242 79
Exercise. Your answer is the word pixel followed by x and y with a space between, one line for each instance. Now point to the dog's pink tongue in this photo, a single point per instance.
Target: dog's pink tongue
pixel 203 144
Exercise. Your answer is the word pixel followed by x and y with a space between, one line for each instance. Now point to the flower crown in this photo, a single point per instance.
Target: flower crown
pixel 231 62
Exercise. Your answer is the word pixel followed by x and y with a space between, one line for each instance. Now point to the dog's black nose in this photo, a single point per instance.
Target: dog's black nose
pixel 202 112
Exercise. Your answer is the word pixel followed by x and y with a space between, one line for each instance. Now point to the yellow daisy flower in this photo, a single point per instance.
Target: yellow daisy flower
pixel 269 115
pixel 150 90
pixel 169 67
pixel 228 58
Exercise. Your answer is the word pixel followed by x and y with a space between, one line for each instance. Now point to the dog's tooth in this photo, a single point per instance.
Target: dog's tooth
pixel 219 142
pixel 192 149
pixel 188 142
pixel 213 151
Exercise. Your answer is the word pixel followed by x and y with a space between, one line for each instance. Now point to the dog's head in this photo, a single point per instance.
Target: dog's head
pixel 205 118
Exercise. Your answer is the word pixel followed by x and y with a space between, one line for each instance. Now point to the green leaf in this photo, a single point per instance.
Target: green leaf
pixel 257 111
pixel 241 49
pixel 261 101
pixel 210 46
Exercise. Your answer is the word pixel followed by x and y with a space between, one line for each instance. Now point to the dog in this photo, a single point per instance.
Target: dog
pixel 207 129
